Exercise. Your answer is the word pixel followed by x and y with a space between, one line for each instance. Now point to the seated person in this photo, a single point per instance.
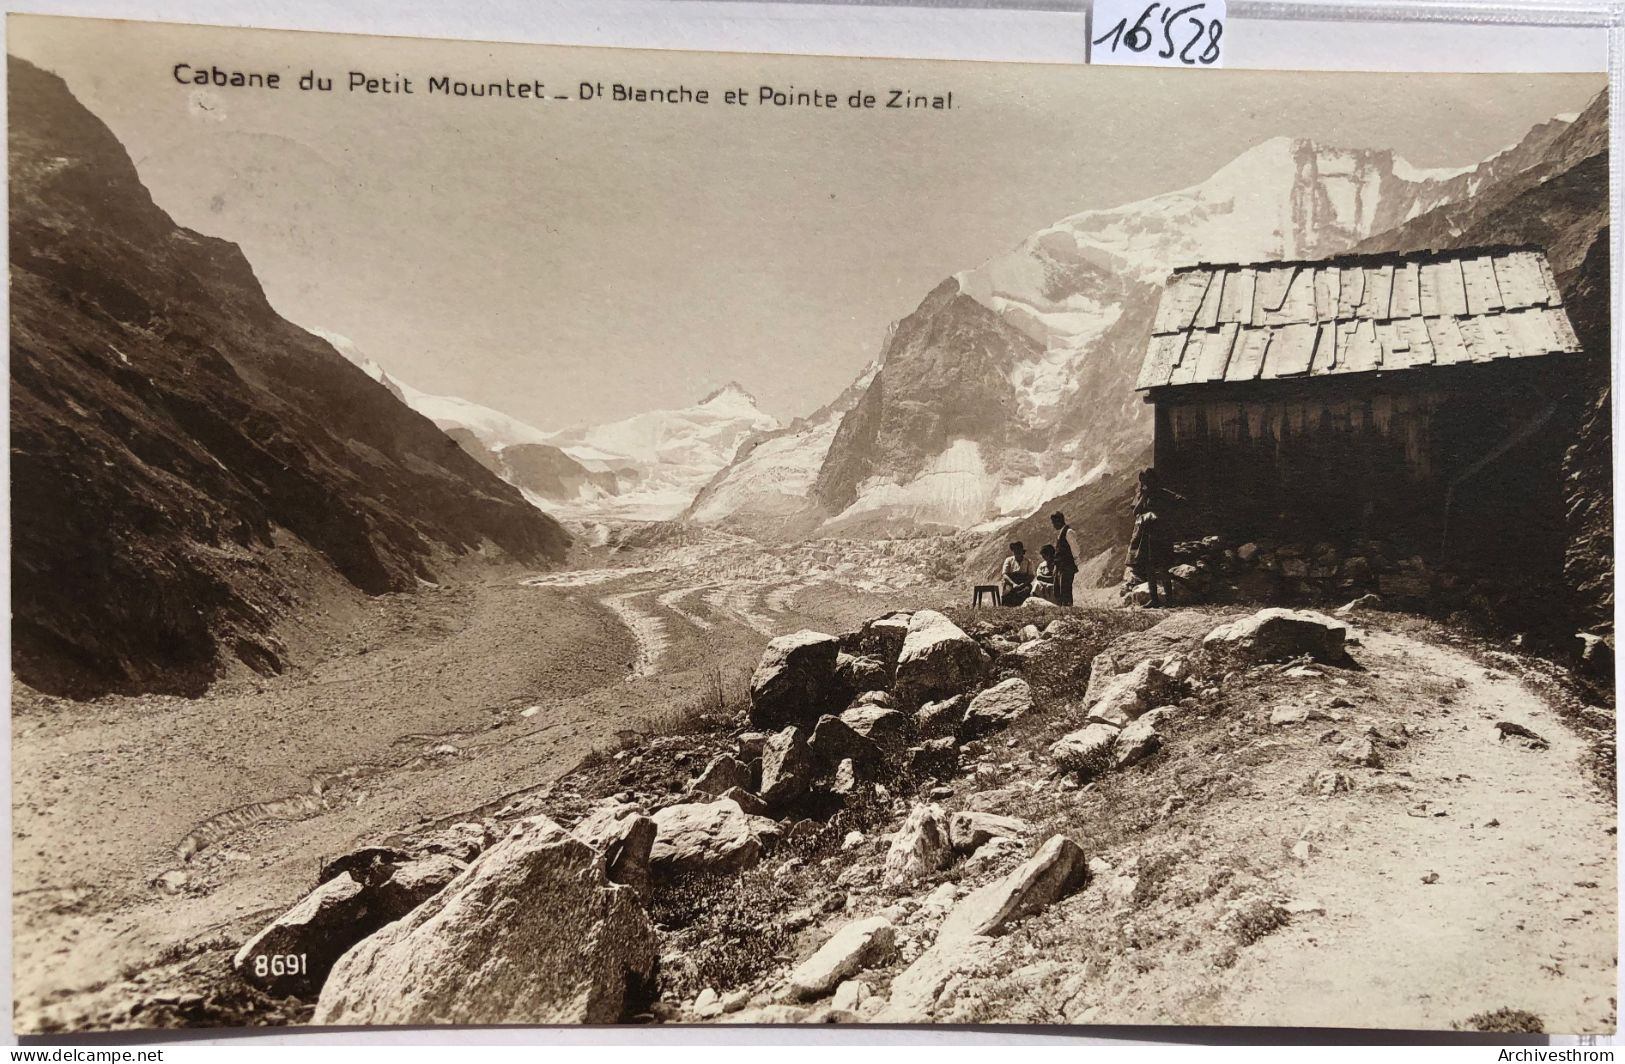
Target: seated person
pixel 1044 577
pixel 1016 578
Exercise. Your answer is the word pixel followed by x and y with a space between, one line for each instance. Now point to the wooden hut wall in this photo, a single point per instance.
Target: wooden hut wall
pixel 1340 467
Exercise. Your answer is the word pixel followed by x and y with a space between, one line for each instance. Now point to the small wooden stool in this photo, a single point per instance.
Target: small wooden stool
pixel 985 589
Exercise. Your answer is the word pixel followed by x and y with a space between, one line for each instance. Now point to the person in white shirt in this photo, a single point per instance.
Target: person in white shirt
pixel 1016 578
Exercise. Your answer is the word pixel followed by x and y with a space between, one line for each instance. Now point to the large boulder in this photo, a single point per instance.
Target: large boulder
pixel 997 706
pixel 937 660
pixel 1175 636
pixel 464 841
pixel 887 728
pixel 1127 696
pixel 625 839
pixel 1104 671
pixel 532 933
pixel 749 801
pixel 415 882
pixel 708 838
pixel 1055 661
pixel 1087 751
pixel 834 741
pixel 1059 867
pixel 788 767
pixel 795 681
pixel 881 638
pixel 918 990
pixel 1280 634
pixel 725 771
pixel 920 847
pixel 856 673
pixel 1138 741
pixel 859 945
pixel 310 937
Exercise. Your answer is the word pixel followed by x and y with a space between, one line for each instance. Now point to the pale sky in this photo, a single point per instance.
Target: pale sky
pixel 572 263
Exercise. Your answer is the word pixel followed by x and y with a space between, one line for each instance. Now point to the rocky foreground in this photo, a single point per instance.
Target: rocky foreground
pixel 861 844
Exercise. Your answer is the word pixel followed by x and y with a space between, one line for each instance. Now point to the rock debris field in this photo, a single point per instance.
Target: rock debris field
pixel 981 816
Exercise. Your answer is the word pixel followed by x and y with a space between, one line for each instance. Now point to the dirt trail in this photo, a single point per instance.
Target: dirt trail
pixel 1447 875
pixel 1523 911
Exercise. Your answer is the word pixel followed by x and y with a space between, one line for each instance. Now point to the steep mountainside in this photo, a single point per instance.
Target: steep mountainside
pixel 181 456
pixel 1559 203
pixel 492 428
pixel 1011 384
pixel 917 449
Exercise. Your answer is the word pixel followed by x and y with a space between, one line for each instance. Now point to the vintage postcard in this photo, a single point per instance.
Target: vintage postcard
pixel 506 534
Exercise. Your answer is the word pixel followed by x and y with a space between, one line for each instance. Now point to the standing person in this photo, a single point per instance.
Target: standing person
pixel 1016 578
pixel 1147 558
pixel 1066 558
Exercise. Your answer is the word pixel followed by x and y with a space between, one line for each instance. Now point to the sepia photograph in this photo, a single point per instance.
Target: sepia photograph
pixel 511 534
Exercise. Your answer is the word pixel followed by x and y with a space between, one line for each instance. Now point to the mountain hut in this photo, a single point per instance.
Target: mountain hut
pixel 1424 400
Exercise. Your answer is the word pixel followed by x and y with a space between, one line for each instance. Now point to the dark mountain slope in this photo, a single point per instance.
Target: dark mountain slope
pixel 180 454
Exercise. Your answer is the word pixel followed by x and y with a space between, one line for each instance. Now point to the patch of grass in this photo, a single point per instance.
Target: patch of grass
pixel 724 696
pixel 180 951
pixel 1256 918
pixel 1504 1021
pixel 724 928
pixel 729 930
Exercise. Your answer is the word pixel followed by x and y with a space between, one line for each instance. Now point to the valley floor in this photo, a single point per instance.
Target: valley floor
pixel 153 835
pixel 157 827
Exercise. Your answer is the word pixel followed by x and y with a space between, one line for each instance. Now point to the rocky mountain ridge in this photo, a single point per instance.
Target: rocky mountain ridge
pixel 186 464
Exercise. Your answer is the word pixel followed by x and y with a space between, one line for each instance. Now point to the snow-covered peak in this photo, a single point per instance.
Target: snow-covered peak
pixel 667 456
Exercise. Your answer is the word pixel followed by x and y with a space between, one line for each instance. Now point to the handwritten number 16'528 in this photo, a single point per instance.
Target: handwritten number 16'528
pixel 1137 37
